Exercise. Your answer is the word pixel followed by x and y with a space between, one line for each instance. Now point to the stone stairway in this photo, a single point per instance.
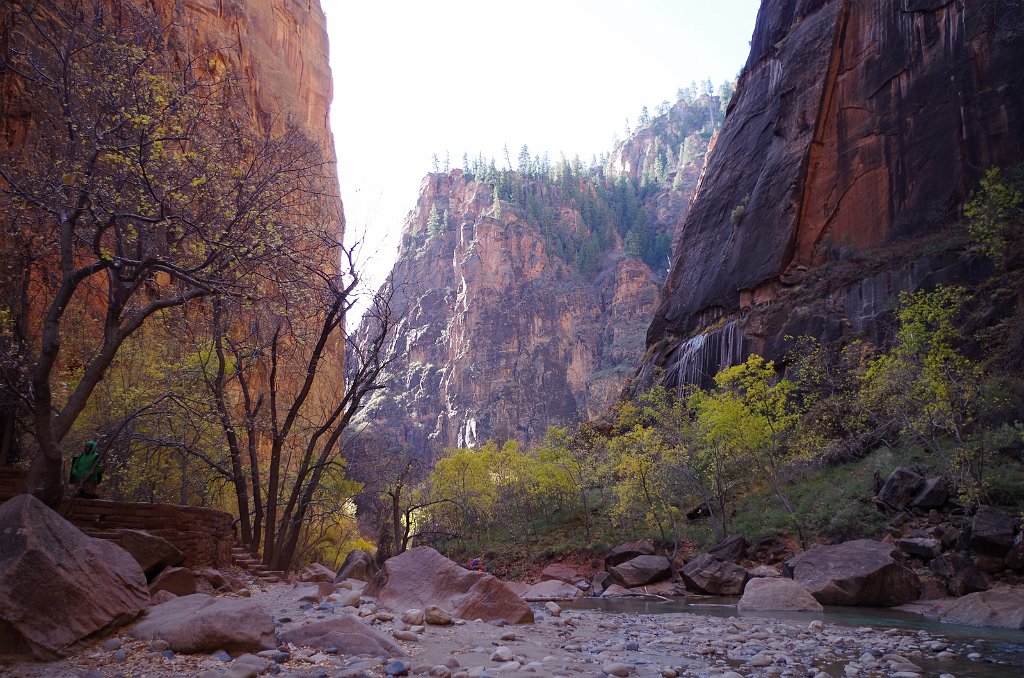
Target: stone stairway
pixel 240 557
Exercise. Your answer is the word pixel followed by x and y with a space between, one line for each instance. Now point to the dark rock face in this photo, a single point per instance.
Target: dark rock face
pixel 359 564
pixel 707 574
pixel 855 124
pixel 859 572
pixel 991 532
pixel 642 570
pixel 422 576
pixel 733 548
pixel 348 634
pixel 959 573
pixel 58 585
pixel 900 488
pixel 153 553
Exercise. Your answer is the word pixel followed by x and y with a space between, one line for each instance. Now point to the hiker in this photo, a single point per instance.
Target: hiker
pixel 87 471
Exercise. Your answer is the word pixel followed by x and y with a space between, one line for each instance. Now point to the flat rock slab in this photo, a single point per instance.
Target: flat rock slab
pixel 422 576
pixel 860 572
pixel 1001 607
pixel 777 595
pixel 58 585
pixel 552 590
pixel 202 623
pixel 346 633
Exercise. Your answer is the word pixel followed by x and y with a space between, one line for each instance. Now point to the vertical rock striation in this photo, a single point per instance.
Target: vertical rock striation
pixel 855 125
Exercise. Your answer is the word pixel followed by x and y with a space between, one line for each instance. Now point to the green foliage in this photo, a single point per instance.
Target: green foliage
pixel 929 386
pixel 992 213
pixel 434 225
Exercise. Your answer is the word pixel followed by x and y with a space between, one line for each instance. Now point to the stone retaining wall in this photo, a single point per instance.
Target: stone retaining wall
pixel 204 535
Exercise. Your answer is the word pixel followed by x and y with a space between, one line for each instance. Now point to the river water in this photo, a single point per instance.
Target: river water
pixel 1001 650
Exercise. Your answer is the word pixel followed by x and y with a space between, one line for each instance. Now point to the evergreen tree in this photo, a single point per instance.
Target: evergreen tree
pixel 433 221
pixel 496 203
pixel 525 166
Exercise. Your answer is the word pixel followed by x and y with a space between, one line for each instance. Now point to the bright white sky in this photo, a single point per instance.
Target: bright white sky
pixel 415 78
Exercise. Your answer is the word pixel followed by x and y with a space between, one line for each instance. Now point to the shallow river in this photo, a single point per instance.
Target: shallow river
pixel 1001 650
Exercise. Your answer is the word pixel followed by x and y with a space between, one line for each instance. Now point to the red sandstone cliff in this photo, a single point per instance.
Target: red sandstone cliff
pixel 856 125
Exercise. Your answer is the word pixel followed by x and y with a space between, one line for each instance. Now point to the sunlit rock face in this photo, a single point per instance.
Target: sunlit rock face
pixel 498 337
pixel 856 127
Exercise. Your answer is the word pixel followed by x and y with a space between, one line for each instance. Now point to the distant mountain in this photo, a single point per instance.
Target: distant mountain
pixel 525 295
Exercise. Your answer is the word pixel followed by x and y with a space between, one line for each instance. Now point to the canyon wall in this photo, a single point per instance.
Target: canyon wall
pixel 856 129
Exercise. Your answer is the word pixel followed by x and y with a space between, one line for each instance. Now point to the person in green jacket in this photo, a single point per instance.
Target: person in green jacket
pixel 87 471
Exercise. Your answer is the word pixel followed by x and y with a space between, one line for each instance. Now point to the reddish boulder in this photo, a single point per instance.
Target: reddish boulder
pixel 316 572
pixel 627 551
pixel 346 633
pixel 707 574
pixel 57 585
pixel 733 548
pixel 201 623
pixel 860 572
pixel 180 581
pixel 642 570
pixel 552 589
pixel 776 595
pixel 561 572
pixel 153 553
pixel 422 576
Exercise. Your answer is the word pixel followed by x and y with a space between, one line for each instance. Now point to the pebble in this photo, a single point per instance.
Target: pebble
pixel 396 667
pixel 553 608
pixel 407 636
pixel 111 645
pixel 615 669
pixel 221 655
pixel 501 654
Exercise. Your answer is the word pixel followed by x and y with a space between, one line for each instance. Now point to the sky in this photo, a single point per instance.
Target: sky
pixel 413 79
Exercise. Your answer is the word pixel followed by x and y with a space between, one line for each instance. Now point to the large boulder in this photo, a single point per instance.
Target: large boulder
pixel 991 532
pixel 421 576
pixel 627 551
pixel 642 570
pixel 561 572
pixel 860 572
pixel 1002 607
pixel 315 572
pixel 733 548
pixel 153 553
pixel 900 488
pixel 180 581
pixel 58 585
pixel 552 589
pixel 346 633
pixel 359 564
pixel 959 574
pixel 933 494
pixel 707 574
pixel 777 595
pixel 202 623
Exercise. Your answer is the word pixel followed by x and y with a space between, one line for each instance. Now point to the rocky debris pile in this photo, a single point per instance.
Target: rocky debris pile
pixel 421 576
pixel 57 585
